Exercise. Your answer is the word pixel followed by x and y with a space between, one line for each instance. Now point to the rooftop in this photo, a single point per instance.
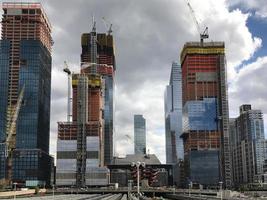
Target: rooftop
pixel 150 159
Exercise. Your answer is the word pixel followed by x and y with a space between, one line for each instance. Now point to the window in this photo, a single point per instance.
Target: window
pixel 25 11
pixel 32 11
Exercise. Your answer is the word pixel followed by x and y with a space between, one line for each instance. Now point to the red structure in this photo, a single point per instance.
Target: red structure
pixel 204 81
pixel 24 21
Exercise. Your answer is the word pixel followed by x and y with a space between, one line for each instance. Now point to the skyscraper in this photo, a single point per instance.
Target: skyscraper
pixel 173 116
pixel 80 147
pixel 105 58
pixel 205 113
pixel 139 134
pixel 247 144
pixel 25 64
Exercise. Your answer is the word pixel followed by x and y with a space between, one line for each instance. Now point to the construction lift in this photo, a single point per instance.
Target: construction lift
pixel 203 35
pixel 10 141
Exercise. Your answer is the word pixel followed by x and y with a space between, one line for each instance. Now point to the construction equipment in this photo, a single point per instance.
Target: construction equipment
pixel 10 140
pixel 109 28
pixel 67 71
pixel 203 35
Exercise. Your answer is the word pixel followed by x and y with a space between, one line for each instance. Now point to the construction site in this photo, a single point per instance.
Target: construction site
pixel 25 99
pixel 85 144
pixel 205 110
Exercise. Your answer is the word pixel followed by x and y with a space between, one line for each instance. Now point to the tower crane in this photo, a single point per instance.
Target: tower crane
pixel 109 28
pixel 203 35
pixel 10 140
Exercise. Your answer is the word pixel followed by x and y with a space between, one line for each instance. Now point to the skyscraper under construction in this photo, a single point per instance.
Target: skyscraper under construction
pixel 85 144
pixel 205 113
pixel 25 87
pixel 105 66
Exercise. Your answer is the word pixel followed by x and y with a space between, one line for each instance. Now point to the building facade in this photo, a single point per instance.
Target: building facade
pixel 173 116
pixel 25 63
pixel 205 114
pixel 105 58
pixel 80 146
pixel 139 134
pixel 248 146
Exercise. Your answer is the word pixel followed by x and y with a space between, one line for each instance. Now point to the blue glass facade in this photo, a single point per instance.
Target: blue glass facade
pixel 200 115
pixel 139 134
pixel 2 161
pixel 35 75
pixel 203 166
pixel 4 74
pixel 173 116
pixel 31 157
pixel 32 164
pixel 108 118
pixel 33 120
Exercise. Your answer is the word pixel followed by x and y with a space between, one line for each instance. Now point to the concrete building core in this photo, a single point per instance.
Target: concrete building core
pixel 85 145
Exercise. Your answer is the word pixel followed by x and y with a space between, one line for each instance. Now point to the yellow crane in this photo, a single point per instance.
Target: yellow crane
pixel 10 141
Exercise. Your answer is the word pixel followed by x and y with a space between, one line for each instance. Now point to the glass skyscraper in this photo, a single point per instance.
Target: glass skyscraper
pixel 173 116
pixel 25 62
pixel 139 134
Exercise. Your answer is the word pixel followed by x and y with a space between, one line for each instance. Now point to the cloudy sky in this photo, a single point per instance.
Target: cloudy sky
pixel 149 35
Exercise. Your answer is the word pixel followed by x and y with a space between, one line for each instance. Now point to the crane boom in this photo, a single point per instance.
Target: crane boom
pixel 11 135
pixel 109 28
pixel 12 125
pixel 203 35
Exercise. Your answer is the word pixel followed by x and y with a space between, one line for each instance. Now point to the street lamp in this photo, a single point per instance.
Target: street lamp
pixel 137 165
pixel 15 189
pixel 68 72
pixel 221 190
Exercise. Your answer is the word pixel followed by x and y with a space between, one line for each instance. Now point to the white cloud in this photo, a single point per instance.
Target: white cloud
pixel 250 86
pixel 149 35
pixel 259 6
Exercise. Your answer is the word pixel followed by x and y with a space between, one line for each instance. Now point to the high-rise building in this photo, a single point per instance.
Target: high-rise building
pixel 139 134
pixel 205 113
pixel 248 148
pixel 80 147
pixel 173 116
pixel 105 58
pixel 25 64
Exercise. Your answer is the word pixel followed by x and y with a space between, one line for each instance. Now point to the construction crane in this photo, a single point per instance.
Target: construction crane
pixel 67 71
pixel 203 35
pixel 10 140
pixel 109 28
